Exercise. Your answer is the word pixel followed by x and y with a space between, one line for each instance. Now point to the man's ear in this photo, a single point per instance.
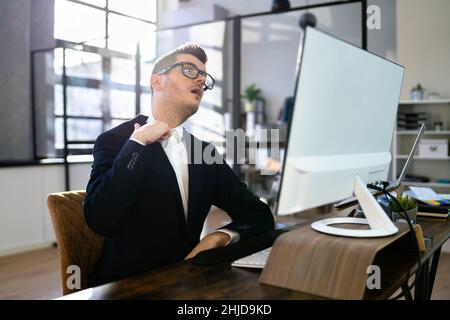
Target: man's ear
pixel 155 82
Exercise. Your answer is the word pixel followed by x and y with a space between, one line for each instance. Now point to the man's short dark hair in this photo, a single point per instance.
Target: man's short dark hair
pixel 170 57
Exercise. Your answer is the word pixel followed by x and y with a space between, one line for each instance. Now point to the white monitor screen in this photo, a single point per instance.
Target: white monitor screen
pixel 342 124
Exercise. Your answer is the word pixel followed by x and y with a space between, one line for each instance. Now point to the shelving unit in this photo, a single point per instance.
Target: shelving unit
pixel 432 167
pixel 427 132
pixel 404 157
pixel 425 102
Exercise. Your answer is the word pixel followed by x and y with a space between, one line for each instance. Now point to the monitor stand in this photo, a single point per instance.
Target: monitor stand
pixel 376 218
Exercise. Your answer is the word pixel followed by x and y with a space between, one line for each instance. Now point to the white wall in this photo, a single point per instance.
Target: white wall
pixel 79 175
pixel 24 218
pixel 423 44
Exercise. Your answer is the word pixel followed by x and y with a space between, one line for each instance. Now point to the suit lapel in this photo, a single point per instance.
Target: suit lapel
pixel 162 163
pixel 194 174
pixel 129 126
pixel 194 169
pixel 140 118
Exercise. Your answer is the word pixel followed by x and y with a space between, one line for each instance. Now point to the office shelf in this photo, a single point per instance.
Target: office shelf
pixel 434 168
pixel 425 101
pixel 404 156
pixel 426 132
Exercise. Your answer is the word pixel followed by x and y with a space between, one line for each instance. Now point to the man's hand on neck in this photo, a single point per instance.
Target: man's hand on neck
pixel 151 132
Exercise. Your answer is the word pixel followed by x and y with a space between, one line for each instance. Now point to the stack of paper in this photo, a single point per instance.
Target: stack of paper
pixel 429 202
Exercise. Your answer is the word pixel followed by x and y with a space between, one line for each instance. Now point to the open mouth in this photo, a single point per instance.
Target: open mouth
pixel 197 91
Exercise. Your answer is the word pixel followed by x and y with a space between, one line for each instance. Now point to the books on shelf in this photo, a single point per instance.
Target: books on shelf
pixel 411 120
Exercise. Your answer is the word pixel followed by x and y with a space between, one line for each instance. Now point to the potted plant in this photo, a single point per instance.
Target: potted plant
pixel 410 206
pixel 251 94
pixel 417 92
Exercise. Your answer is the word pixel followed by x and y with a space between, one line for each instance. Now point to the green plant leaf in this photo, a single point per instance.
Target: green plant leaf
pixel 418 87
pixel 408 203
pixel 252 92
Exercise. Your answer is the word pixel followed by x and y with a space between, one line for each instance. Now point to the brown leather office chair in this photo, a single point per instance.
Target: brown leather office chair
pixel 77 244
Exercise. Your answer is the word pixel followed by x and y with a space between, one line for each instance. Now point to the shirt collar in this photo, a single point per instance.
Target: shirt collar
pixel 177 132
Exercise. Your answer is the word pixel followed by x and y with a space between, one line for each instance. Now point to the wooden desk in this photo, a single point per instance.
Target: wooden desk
pixel 185 280
pixel 438 232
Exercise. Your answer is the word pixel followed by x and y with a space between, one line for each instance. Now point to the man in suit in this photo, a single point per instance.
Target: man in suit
pixel 149 191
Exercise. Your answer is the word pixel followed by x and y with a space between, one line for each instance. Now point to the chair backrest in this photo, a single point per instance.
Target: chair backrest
pixel 77 244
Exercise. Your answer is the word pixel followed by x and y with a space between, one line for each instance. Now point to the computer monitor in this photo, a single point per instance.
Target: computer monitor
pixel 340 132
pixel 393 184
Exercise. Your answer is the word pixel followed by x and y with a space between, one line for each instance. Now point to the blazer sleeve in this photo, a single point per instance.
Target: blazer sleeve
pixel 112 187
pixel 249 214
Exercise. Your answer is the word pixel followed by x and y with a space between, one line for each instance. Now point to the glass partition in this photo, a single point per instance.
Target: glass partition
pixel 216 38
pixel 269 47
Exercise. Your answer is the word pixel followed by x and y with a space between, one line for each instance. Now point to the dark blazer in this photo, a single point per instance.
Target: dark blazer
pixel 133 200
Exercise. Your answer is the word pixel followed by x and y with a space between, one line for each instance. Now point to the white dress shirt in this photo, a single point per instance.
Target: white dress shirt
pixel 176 152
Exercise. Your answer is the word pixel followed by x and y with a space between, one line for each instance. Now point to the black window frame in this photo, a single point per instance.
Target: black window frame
pixel 106 56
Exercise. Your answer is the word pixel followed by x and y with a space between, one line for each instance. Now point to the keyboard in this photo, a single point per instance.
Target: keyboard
pixel 255 260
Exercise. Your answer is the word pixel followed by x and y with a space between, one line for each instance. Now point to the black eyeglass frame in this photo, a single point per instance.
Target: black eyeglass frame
pixel 199 72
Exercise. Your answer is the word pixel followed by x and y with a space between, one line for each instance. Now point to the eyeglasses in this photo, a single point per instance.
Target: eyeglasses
pixel 191 71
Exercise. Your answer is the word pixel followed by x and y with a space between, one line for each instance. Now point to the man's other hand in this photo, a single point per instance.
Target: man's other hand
pixel 151 132
pixel 212 240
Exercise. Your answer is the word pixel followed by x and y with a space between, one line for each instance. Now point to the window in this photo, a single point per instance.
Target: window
pixel 100 84
pixel 144 9
pixel 126 32
pixel 90 29
pixel 95 22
